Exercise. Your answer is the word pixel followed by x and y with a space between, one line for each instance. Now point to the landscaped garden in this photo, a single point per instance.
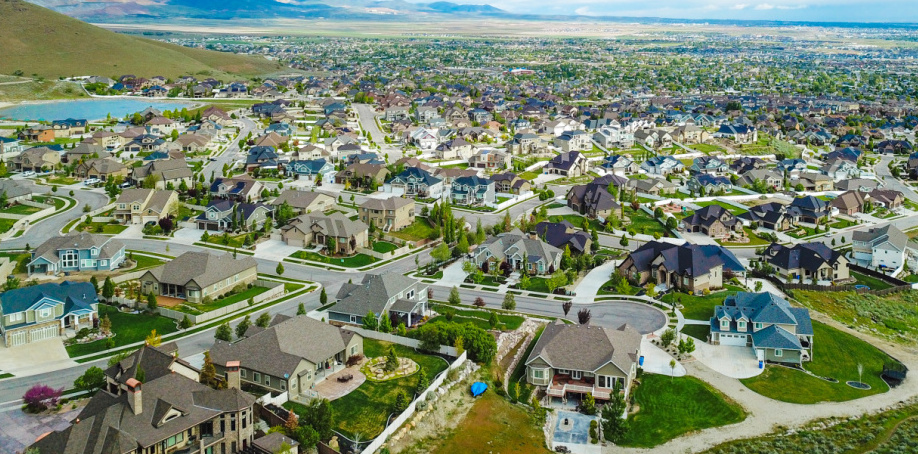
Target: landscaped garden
pixel 479 317
pixel 354 261
pixel 128 329
pixel 754 240
pixel 236 297
pixel 419 230
pixel 578 221
pixel 670 407
pixel 19 209
pixel 365 410
pixel 109 228
pixel 836 355
pixel 699 332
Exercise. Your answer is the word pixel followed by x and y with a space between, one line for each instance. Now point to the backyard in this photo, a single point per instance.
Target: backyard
pixel 419 230
pixel 670 407
pixel 144 262
pixel 485 429
pixel 519 373
pixel 835 355
pixel 6 225
pixel 733 209
pixel 871 282
pixel 384 246
pixel 20 209
pixel 128 329
pixel 221 302
pixel 365 410
pixel 641 222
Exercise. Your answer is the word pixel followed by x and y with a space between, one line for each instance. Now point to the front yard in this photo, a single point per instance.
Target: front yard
pixel 478 317
pixel 100 227
pixel 20 209
pixel 128 329
pixel 419 230
pixel 700 307
pixel 365 410
pixel 577 221
pixel 641 222
pixel 835 355
pixel 6 225
pixel 670 407
pixel 22 259
pixel 355 261
pixel 383 247
pixel 222 302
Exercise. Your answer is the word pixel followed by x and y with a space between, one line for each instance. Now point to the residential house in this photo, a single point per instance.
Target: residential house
pixel 790 166
pixel 744 164
pixel 227 215
pixel 593 200
pixel 17 190
pixel 884 248
pixel 614 136
pixel 9 145
pixel 401 298
pixel 772 216
pixel 47 311
pixel 812 209
pixel 563 235
pixel 317 170
pixel 169 412
pixel 415 182
pixel 510 183
pixel 68 127
pixel 888 198
pixel 569 164
pixel 741 134
pixel 167 171
pixel 519 251
pixel 199 276
pixel 455 149
pixel 291 355
pixel 140 206
pixel 77 252
pixel 38 133
pixel 397 113
pixel 572 141
pixel 709 184
pixel 777 332
pixel 490 159
pixel 653 186
pixel 261 157
pixel 192 143
pixel 815 182
pixel 304 201
pixel 101 169
pixel 662 166
pixel 620 165
pixel 394 213
pixel 714 221
pixel 161 126
pixel 525 143
pixel 689 267
pixel 363 175
pixel 473 191
pixel 35 159
pixel 849 202
pixel 83 152
pixel 145 143
pixel 769 178
pixel 689 134
pixel 858 184
pixel 241 189
pixel 709 164
pixel 318 229
pixel 807 261
pixel 841 170
pixel 608 365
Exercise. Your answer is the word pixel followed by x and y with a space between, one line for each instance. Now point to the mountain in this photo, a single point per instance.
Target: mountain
pixel 36 40
pixel 447 7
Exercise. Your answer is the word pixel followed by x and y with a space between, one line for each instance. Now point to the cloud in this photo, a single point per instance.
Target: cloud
pixel 739 6
pixel 584 11
pixel 764 6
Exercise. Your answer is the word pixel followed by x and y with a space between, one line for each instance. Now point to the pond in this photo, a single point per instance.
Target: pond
pixel 89 109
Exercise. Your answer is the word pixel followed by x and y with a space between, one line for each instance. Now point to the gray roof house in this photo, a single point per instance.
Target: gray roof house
pixel 77 252
pixel 606 359
pixel 520 251
pixel 194 276
pixel 766 322
pixel 402 298
pixel 884 248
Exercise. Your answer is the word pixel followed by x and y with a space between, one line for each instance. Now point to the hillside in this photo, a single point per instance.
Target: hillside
pixel 36 40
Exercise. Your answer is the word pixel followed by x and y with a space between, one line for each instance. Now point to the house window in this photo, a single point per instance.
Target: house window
pixel 242 373
pixel 44 313
pixel 175 439
pixel 87 263
pixel 725 324
pixel 353 350
pixel 267 380
pixel 353 319
pixel 283 388
pixel 257 377
pixel 757 325
pixel 538 373
pixel 779 352
pixel 103 262
pixel 741 326
pixel 69 259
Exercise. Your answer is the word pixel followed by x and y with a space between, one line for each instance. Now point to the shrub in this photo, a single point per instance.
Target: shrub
pixel 354 359
pixel 41 397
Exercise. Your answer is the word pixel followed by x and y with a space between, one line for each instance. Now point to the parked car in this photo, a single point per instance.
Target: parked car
pixel 126 184
pixel 28 173
pixel 91 181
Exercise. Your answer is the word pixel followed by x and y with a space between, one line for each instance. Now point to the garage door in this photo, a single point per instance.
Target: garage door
pixel 733 339
pixel 47 332
pixel 17 338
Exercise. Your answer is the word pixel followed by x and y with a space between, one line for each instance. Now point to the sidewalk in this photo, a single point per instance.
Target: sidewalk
pixel 592 282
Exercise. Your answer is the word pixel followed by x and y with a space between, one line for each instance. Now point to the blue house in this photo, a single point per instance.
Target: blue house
pixel 473 191
pixel 47 311
pixel 77 252
pixel 776 331
pixel 312 169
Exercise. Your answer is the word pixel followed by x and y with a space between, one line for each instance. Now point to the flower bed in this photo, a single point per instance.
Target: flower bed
pixel 375 369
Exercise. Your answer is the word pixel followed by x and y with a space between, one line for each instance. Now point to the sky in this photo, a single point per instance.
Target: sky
pixel 791 10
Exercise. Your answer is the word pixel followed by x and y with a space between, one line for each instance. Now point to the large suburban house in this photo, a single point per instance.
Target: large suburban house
pixel 291 355
pixel 811 209
pixel 402 299
pixel 510 183
pixel 563 235
pixel 77 252
pixel 593 200
pixel 47 311
pixel 316 229
pixel 101 169
pixel 394 213
pixel 520 251
pixel 714 221
pixel 489 158
pixel 304 201
pixel 241 189
pixel 35 159
pixel 140 206
pixel 166 171
pixel 219 215
pixel 569 164
pixel 690 267
pixel 805 261
pixel 415 182
pixel 574 141
pixel 662 166
pixel 884 248
pixel 738 133
pixel 773 216
pixel 776 331
pixel 606 360
pixel 195 276
pixel 473 191
pixel 169 412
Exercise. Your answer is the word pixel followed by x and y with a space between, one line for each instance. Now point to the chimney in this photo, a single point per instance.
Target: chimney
pixel 232 375
pixel 136 397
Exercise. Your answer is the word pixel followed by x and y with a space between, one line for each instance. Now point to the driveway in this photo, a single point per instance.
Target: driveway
pixel 453 275
pixel 656 360
pixel 187 236
pixel 733 362
pixel 132 231
pixel 274 250
pixel 573 431
pixel 591 283
pixel 34 358
pixel 18 429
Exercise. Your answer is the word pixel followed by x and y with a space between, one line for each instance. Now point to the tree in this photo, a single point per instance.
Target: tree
pixel 583 316
pixel 41 397
pixel 401 402
pixel 423 381
pixel 509 302
pixel 323 297
pixel 385 324
pixel 95 283
pixel 689 347
pixel 153 339
pixel 370 322
pixel 150 181
pixel 186 322
pixel 672 367
pixel 557 279
pixel 758 286
pixel 280 269
pixel 263 320
pixel 224 332
pixel 320 417
pixel 208 374
pixel 91 381
pixel 566 307
pixel 454 297
pixel 243 326
pixel 479 302
pixel 105 325
pixel 623 241
pixel 614 426
pixel 391 360
pixel 152 303
pixel 462 247
pixel 440 253
pixel 667 337
pixel 493 320
pixel 651 290
pixel 292 423
pixel 108 288
pixel 588 406
pixel 459 345
pixel 301 309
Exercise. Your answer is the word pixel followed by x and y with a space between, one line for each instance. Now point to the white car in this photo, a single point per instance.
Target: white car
pixel 91 181
pixel 28 174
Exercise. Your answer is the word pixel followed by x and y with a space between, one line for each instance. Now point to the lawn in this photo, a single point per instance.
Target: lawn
pixel 384 246
pixel 61 180
pixel 235 241
pixel 700 307
pixel 894 316
pixel 733 209
pixel 536 284
pixel 796 232
pixel 355 261
pixel 128 329
pixel 101 227
pixel 578 221
pixel 232 299
pixel 58 203
pixel 144 262
pixel 365 410
pixel 754 239
pixel 420 229
pixel 706 148
pixel 493 425
pixel 836 355
pixel 6 225
pixel 22 260
pixel 609 289
pixel 512 322
pixel 530 175
pixel 670 407
pixel 841 224
pixel 872 282
pixel 699 332
pixel 642 222
pixel 20 210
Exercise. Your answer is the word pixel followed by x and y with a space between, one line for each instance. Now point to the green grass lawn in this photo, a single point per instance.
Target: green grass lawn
pixel 670 407
pixel 536 284
pixel 384 246
pixel 58 203
pixel 233 241
pixel 733 209
pixel 365 410
pixel 699 332
pixel 355 261
pixel 706 148
pixel 700 307
pixel 609 289
pixel 894 316
pixel 144 262
pixel 512 322
pixel 645 223
pixel 578 221
pixel 836 355
pixel 6 225
pixel 64 181
pixel 232 299
pixel 493 425
pixel 754 240
pixel 530 175
pixel 841 224
pixel 128 328
pixel 20 209
pixel 796 232
pixel 106 228
pixel 872 282
pixel 22 260
pixel 420 229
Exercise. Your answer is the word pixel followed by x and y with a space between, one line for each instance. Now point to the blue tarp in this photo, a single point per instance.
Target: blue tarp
pixel 478 388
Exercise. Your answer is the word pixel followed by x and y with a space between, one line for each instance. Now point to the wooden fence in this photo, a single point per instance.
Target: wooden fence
pixel 829 288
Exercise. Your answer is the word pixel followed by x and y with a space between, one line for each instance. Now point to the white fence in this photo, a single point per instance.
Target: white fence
pixel 279 401
pixel 403 418
pixel 395 339
pixel 275 289
pixel 384 255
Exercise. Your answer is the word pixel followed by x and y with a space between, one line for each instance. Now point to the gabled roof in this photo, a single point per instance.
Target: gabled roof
pixel 685 259
pixel 74 295
pixel 372 294
pixel 108 246
pixel 204 268
pixel 586 347
pixel 807 256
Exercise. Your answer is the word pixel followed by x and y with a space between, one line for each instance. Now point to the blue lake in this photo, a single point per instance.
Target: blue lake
pixel 89 109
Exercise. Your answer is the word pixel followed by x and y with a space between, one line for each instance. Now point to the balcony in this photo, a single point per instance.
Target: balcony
pixel 562 384
pixel 198 443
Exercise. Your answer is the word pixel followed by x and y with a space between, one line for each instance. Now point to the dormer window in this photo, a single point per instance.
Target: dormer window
pixel 741 326
pixel 725 324
pixel 757 325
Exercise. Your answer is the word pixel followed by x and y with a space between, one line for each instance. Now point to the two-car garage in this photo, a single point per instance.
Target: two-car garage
pixel 739 340
pixel 22 337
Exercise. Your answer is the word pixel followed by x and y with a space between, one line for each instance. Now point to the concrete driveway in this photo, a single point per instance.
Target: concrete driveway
pixel 591 283
pixel 734 362
pixel 656 361
pixel 188 236
pixel 274 249
pixel 453 275
pixel 34 358
pixel 132 231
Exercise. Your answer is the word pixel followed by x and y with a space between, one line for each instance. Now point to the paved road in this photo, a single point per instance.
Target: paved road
pixel 882 171
pixel 232 152
pixel 52 226
pixel 367 116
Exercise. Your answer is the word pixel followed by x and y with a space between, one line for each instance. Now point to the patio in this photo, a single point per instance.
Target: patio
pixel 332 389
pixel 573 431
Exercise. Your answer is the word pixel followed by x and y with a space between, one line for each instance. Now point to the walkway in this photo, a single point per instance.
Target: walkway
pixel 591 283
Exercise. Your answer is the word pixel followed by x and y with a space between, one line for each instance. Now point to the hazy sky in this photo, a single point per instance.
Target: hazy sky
pixel 795 10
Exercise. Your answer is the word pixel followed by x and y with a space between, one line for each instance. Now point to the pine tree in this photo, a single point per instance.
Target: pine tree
pixel 208 375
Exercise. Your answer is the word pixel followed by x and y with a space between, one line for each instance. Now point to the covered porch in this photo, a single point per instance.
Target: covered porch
pixel 561 384
pixel 408 312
